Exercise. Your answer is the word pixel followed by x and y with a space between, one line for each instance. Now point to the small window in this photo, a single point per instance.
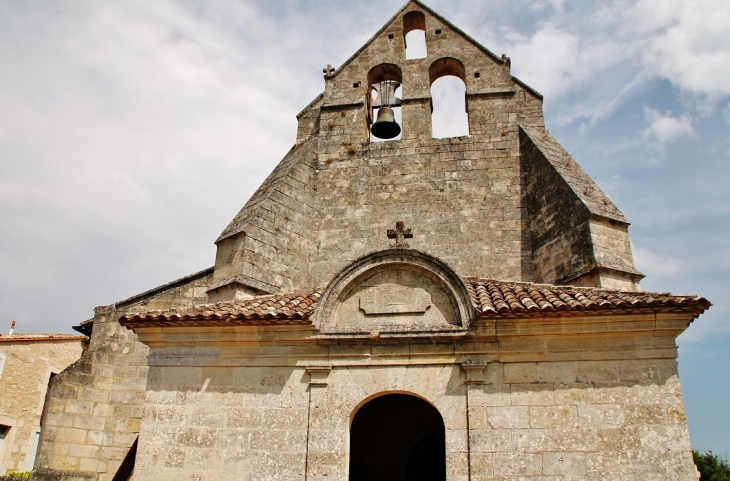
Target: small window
pixel 36 441
pixel 48 396
pixel 2 363
pixel 416 45
pixel 3 432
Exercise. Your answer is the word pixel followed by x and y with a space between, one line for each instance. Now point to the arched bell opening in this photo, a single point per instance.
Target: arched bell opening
pixel 384 116
pixel 397 437
pixel 414 31
pixel 449 117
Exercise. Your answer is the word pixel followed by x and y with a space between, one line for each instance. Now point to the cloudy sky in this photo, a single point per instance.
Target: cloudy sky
pixel 132 132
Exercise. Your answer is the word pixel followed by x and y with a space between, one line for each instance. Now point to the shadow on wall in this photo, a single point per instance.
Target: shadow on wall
pixel 253 380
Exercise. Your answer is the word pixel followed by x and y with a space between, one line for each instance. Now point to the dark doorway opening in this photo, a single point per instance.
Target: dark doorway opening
pixel 397 437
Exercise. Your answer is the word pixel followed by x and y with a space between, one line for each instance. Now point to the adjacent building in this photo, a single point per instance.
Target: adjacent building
pixel 28 363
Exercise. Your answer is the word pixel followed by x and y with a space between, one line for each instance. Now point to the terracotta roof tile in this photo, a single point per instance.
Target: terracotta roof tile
pixel 494 298
pixel 490 298
pixel 290 308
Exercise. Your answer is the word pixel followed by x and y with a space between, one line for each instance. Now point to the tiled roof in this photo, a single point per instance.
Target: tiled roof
pixel 292 308
pixel 510 299
pixel 41 337
pixel 491 298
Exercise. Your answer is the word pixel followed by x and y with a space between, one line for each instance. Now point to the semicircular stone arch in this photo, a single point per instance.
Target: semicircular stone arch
pixel 446 66
pixel 383 72
pixel 352 387
pixel 397 436
pixel 414 33
pixel 395 290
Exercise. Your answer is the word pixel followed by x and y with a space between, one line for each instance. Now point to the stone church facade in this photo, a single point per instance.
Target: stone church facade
pixel 463 308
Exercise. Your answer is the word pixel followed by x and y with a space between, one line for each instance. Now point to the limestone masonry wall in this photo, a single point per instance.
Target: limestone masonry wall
pixel 95 406
pixel 587 407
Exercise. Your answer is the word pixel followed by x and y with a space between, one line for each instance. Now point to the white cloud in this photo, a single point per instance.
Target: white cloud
pixel 686 42
pixel 548 59
pixel 606 52
pixel 707 328
pixel 665 128
pixel 726 113
pixel 654 265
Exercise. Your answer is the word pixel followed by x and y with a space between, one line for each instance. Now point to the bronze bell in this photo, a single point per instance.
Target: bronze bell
pixel 385 127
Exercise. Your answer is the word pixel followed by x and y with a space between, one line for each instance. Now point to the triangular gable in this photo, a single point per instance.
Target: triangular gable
pixel 453 27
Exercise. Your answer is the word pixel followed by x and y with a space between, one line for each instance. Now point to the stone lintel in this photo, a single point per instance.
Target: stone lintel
pixel 344 105
pixel 415 100
pixel 491 93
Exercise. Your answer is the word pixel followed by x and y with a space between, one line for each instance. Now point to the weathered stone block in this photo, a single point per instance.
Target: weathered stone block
pixel 520 464
pixel 553 416
pixel 601 416
pixel 197 437
pixel 70 435
pixel 520 372
pixel 513 417
pixel 564 463
pixel 532 394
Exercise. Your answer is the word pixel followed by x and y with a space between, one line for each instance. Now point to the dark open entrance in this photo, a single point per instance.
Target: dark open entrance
pixel 397 437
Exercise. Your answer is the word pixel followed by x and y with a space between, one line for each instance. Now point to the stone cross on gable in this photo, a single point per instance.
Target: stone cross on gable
pixel 328 71
pixel 400 233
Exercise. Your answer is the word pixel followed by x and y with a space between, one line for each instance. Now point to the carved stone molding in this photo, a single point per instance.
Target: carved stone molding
pixel 395 290
pixel 318 375
pixel 474 371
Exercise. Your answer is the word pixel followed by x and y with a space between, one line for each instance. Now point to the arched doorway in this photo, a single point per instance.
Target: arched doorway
pixel 397 437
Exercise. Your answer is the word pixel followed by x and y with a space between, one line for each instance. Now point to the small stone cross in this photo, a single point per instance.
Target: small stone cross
pixel 328 71
pixel 399 234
